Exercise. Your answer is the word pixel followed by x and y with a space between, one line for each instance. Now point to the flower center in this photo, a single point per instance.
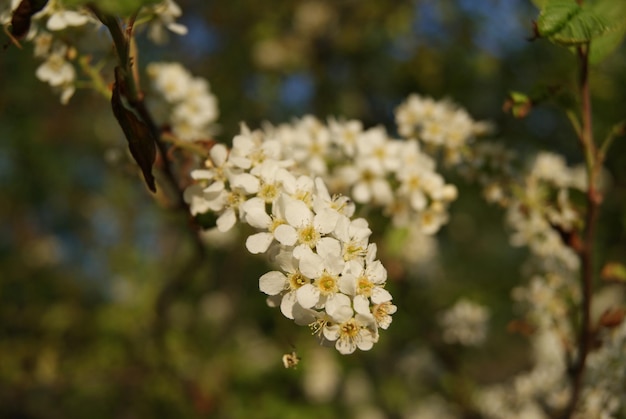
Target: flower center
pixel 349 329
pixel 296 280
pixel 308 235
pixel 364 286
pixel 317 327
pixel 327 284
pixel 234 199
pixel 381 311
pixel 268 192
pixel 353 250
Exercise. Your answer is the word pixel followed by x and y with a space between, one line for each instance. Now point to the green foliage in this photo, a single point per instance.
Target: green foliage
pixel 602 24
pixel 567 23
pixel 614 271
pixel 615 14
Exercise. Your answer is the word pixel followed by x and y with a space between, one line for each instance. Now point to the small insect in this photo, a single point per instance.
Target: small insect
pixel 291 360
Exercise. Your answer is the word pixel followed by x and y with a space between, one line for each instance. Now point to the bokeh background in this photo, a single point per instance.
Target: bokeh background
pixel 107 312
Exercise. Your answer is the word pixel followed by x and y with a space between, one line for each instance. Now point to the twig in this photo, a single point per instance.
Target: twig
pixel 593 200
pixel 123 44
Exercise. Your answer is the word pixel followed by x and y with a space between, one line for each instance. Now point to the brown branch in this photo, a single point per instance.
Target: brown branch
pixel 593 201
pixel 127 60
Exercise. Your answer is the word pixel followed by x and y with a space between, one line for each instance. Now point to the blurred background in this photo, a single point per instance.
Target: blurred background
pixel 106 312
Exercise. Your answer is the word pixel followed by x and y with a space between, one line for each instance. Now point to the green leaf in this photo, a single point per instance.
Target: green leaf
pixel 565 22
pixel 614 272
pixel 555 15
pixel 614 12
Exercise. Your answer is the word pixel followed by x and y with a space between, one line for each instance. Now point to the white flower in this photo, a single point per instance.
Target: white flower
pixel 311 143
pixel 465 323
pixel 303 227
pixel 375 146
pixel 369 185
pixel 382 314
pixel 285 284
pixel 171 80
pixel 165 15
pixel 56 70
pixel 353 235
pixel 256 216
pixel 433 218
pixel 343 205
pixel 346 135
pixel 61 19
pixel 43 44
pixel 349 332
pixel 300 188
pixel 325 268
pixel 365 278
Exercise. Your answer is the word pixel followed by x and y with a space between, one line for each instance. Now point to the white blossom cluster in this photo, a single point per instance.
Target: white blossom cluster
pixel 541 212
pixel 372 168
pixel 56 30
pixel 541 216
pixel 439 125
pixel 465 323
pixel 56 53
pixel 605 377
pixel 531 394
pixel 190 107
pixel 545 387
pixel 328 276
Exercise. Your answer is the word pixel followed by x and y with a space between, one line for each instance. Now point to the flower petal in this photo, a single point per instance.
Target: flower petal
pixel 308 295
pixel 259 243
pixel 286 235
pixel 227 220
pixel 272 283
pixel 345 346
pixel 380 295
pixel 287 305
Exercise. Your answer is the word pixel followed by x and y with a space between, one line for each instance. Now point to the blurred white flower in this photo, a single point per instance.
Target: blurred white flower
pixel 464 323
pixel 164 16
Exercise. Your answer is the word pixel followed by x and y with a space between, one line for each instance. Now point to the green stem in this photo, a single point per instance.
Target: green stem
pixel 617 131
pixel 187 145
pixel 97 82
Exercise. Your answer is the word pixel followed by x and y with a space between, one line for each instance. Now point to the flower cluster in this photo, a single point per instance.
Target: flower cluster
pixel 278 179
pixel 531 392
pixel 56 31
pixel 328 276
pixel 56 53
pixel 438 124
pixel 541 214
pixel 371 167
pixel 190 107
